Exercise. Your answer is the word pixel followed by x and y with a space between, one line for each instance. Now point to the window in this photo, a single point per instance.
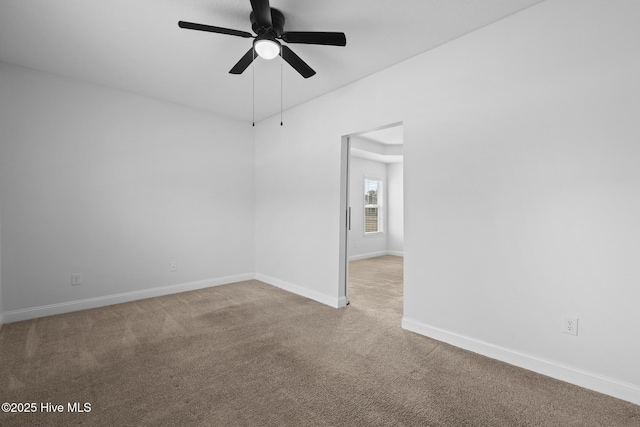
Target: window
pixel 372 205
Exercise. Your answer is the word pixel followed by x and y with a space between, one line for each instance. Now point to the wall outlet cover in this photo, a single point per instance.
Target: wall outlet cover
pixel 76 279
pixel 570 325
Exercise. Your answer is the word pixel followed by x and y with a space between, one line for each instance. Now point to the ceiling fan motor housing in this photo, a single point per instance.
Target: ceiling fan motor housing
pixel 277 23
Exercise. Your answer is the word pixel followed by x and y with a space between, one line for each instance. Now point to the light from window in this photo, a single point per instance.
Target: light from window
pixel 372 205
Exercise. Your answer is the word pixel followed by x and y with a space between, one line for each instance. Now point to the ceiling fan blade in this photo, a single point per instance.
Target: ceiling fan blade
pixel 212 29
pixel 298 64
pixel 315 37
pixel 262 12
pixel 244 62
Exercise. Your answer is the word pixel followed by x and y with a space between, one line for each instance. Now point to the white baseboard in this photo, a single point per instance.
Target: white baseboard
pixel 375 254
pixel 305 292
pixel 368 255
pixel 66 307
pixel 592 381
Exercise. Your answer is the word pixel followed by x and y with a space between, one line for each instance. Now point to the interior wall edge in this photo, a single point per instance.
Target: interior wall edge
pixel 589 380
pixel 331 301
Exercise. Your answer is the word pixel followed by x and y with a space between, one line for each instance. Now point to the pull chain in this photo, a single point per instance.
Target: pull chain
pixel 253 72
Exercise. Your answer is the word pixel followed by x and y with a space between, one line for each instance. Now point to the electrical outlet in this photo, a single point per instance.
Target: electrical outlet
pixel 570 325
pixel 76 279
pixel 173 266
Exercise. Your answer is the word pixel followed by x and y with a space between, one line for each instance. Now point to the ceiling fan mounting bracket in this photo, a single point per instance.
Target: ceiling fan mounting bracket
pixel 277 23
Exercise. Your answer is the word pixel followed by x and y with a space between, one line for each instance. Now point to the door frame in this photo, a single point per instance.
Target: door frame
pixel 345 221
pixel 345 210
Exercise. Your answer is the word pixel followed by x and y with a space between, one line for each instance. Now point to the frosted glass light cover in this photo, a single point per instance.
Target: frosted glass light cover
pixel 267 49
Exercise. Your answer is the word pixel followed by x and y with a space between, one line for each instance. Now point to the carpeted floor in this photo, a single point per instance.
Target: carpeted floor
pixel 375 286
pixel 249 354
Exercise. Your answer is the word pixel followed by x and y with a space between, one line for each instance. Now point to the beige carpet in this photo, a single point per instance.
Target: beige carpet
pixel 249 354
pixel 375 286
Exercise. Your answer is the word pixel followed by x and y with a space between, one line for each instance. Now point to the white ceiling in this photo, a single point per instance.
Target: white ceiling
pixel 392 135
pixel 382 145
pixel 137 46
pixel 377 157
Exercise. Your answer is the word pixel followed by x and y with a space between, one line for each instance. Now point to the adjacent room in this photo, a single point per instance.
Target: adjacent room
pixel 187 191
pixel 376 220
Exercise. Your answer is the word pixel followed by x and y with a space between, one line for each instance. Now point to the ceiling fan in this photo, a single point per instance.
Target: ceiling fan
pixel 268 24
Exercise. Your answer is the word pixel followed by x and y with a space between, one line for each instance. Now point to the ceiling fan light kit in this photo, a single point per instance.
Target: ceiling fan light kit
pixel 266 48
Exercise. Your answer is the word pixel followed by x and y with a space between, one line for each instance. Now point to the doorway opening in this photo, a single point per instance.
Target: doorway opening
pixel 372 241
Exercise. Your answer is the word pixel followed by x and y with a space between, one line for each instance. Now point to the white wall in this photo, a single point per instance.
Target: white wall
pixel 370 245
pixel 521 189
pixel 395 209
pixel 116 186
